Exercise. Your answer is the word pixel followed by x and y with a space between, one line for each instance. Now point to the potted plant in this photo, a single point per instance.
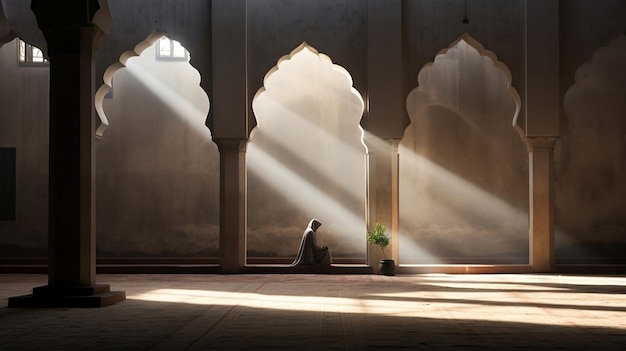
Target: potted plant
pixel 380 238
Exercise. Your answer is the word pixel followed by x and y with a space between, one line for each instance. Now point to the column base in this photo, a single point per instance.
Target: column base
pixel 99 295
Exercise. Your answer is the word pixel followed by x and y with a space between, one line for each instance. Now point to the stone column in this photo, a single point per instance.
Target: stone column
pixel 541 236
pixel 542 97
pixel 71 236
pixel 382 191
pixel 229 126
pixel 385 119
pixel 233 211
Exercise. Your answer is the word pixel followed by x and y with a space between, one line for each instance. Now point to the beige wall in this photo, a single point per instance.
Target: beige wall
pixel 24 126
pixel 154 171
pixel 157 168
pixel 463 167
pixel 589 158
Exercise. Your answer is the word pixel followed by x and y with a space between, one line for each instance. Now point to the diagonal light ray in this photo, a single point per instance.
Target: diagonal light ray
pixel 193 115
pixel 521 299
pixel 284 180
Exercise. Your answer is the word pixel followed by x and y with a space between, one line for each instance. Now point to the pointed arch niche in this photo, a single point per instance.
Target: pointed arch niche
pixel 306 159
pixel 157 166
pixel 463 167
pixel 590 162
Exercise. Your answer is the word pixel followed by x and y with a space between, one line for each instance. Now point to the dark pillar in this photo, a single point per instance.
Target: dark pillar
pixel 542 105
pixel 229 126
pixel 386 120
pixel 71 237
pixel 233 219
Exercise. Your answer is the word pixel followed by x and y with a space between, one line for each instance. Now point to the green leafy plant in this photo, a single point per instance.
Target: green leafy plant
pixel 378 237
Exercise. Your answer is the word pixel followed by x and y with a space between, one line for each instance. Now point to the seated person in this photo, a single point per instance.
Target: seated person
pixel 309 252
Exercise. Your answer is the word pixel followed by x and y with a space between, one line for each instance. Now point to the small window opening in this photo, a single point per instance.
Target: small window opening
pixel 7 183
pixel 30 55
pixel 171 50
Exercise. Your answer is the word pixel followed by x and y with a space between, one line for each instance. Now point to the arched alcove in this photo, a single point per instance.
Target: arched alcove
pixel 157 166
pixel 590 158
pixel 306 159
pixel 463 167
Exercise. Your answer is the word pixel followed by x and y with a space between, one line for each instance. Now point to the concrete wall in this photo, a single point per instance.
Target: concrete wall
pixel 306 159
pixel 157 168
pixel 337 28
pixel 431 25
pixel 463 167
pixel 588 157
pixel 24 126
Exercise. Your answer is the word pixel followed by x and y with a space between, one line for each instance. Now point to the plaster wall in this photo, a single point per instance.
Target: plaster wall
pixel 188 22
pixel 157 168
pixel 306 159
pixel 590 163
pixel 431 25
pixel 336 28
pixel 463 167
pixel 24 126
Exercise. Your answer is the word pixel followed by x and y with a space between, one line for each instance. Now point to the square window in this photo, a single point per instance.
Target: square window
pixel 7 183
pixel 29 55
pixel 171 50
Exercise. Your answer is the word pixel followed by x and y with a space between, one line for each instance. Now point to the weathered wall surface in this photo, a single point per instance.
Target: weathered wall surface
pixel 463 167
pixel 431 25
pixel 24 126
pixel 590 158
pixel 306 159
pixel 157 168
pixel 335 28
pixel 133 21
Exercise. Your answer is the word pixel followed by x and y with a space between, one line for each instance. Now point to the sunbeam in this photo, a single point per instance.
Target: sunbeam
pixel 307 155
pixel 193 114
pixel 459 295
pixel 334 215
pixel 158 168
pixel 448 205
pixel 463 168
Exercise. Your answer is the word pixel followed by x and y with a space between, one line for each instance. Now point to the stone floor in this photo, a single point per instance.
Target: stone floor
pixel 328 312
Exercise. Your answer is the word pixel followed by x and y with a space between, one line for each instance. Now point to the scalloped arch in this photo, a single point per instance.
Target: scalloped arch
pixel 307 148
pixel 590 157
pixel 110 72
pixel 588 71
pixel 418 98
pixel 304 46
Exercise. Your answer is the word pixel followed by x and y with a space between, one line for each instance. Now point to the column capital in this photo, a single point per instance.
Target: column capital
pixel 230 144
pixel 376 144
pixel 538 143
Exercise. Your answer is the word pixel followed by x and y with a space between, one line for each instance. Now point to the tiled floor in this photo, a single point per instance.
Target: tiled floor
pixel 328 312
